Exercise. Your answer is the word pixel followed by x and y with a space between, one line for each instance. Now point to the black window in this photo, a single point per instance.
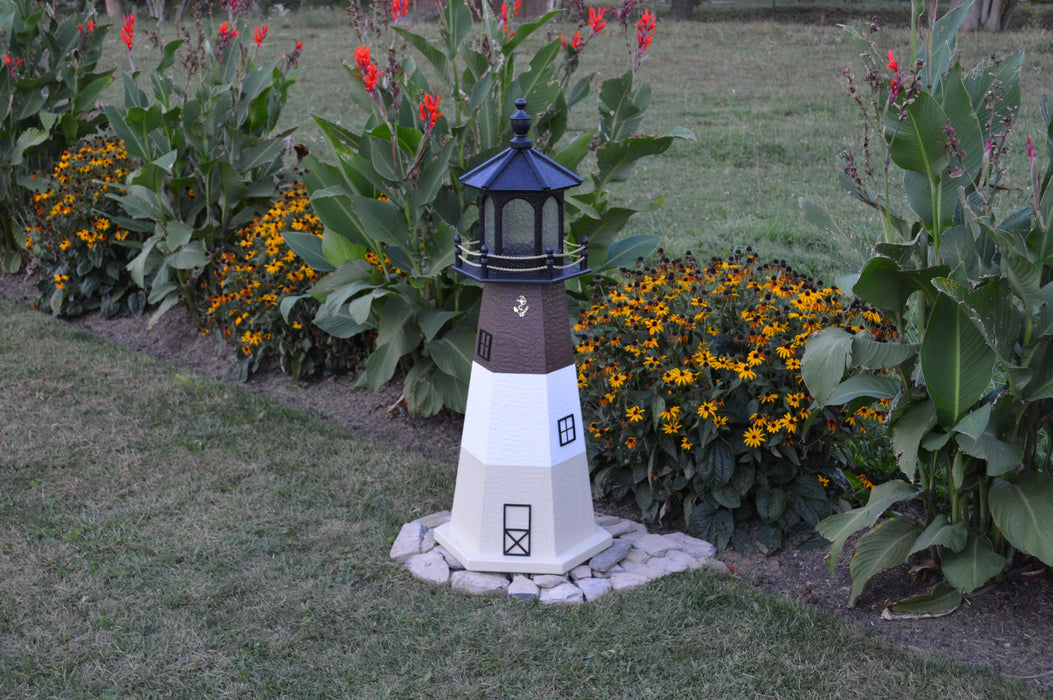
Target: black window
pixel 482 348
pixel 566 430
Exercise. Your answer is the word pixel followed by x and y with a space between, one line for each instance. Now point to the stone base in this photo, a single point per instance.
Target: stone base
pixel 633 558
pixel 477 561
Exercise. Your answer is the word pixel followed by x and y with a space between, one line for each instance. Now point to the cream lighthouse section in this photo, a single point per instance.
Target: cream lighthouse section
pixel 522 502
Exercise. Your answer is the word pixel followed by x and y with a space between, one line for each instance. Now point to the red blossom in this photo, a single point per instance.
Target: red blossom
pixel 227 32
pixel 503 23
pixel 1032 155
pixel 575 43
pixel 128 31
pixel 644 32
pixel 369 77
pixel 362 58
pixel 399 9
pixel 895 83
pixel 596 20
pixel 429 111
pixel 87 29
pixel 260 33
pixel 13 64
pixel 892 66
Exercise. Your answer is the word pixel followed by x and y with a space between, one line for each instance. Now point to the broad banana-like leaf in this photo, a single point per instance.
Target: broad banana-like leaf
pixel 908 430
pixel 956 361
pixel 838 528
pixel 942 600
pixel 974 566
pixel 872 354
pixel 942 533
pixel 826 356
pixel 887 545
pixel 1023 511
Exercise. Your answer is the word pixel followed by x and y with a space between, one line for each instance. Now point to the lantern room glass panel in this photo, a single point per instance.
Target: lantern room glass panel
pixel 517 228
pixel 550 237
pixel 489 222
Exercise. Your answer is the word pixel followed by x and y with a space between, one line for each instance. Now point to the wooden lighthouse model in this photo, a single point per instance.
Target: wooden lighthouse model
pixel 522 501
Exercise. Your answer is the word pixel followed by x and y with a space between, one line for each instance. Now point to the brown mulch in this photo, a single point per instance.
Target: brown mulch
pixel 1006 626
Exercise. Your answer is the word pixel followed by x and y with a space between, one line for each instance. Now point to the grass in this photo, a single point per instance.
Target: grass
pixel 164 534
pixel 766 101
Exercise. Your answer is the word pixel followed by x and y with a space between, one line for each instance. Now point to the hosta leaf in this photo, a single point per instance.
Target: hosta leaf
pixel 1023 511
pixel 974 566
pixel 887 545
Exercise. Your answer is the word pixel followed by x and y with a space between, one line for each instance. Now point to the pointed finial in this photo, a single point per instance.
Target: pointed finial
pixel 521 125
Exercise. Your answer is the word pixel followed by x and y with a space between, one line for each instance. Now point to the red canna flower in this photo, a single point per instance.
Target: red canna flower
pixel 260 33
pixel 362 58
pixel 128 31
pixel 429 111
pixel 575 43
pixel 14 63
pixel 399 8
pixel 227 32
pixel 596 20
pixel 644 32
pixel 369 77
pixel 895 83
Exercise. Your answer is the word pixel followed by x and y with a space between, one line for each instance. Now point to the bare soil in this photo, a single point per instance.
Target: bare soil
pixel 1006 626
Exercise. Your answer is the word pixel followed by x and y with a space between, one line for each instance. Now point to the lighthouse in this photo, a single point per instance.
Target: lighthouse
pixel 522 501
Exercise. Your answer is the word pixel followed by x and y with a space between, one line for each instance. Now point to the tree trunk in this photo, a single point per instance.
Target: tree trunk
pixel 992 15
pixel 115 9
pixel 682 10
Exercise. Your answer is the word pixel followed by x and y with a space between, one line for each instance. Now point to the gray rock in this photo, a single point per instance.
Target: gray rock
pixel 523 588
pixel 451 560
pixel 700 549
pixel 549 580
pixel 563 593
pixel 686 559
pixel 625 580
pixel 430 567
pixel 610 556
pixel 656 545
pixel 635 556
pixel 602 520
pixel 634 534
pixel 716 565
pixel 593 588
pixel 583 571
pixel 663 566
pixel 478 583
pixel 407 543
pixel 434 520
pixel 427 543
pixel 618 528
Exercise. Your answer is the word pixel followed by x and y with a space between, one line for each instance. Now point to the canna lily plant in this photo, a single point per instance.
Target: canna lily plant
pixel 394 195
pixel 969 286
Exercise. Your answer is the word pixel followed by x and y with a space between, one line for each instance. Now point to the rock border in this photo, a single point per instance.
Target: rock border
pixel 634 558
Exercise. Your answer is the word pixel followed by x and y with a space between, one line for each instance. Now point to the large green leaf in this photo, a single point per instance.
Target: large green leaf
pixel 1023 511
pixel 1001 457
pixel 617 158
pixel 908 430
pixel 826 356
pixel 940 532
pixel 838 528
pixel 873 386
pixel 887 545
pixel 943 599
pixel 872 354
pixel 626 251
pixel 309 247
pixel 974 565
pixel 956 361
pixel 916 139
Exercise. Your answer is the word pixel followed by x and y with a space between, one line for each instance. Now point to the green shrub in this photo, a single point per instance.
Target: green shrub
pixel 48 88
pixel 251 280
pixel 691 387
pixel 73 237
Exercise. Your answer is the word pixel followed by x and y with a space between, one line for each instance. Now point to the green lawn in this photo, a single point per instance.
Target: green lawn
pixel 161 534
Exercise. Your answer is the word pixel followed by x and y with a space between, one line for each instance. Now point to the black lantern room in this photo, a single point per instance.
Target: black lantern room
pixel 520 216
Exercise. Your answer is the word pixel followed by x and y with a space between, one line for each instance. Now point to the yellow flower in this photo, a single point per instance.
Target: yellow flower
pixel 630 442
pixel 671 428
pixel 670 414
pixel 720 421
pixel 745 372
pixel 635 414
pixel 823 480
pixel 753 437
pixel 707 409
pixel 686 444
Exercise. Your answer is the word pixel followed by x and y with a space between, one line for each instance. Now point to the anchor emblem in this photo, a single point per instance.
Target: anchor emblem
pixel 522 309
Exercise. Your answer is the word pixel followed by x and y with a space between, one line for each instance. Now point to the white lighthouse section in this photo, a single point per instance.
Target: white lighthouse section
pixel 522 501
